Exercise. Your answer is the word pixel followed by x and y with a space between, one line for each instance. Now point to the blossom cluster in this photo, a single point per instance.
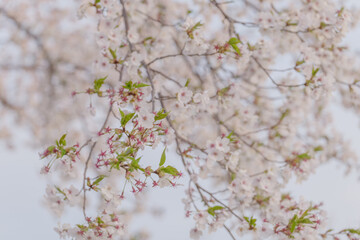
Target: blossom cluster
pixel 206 78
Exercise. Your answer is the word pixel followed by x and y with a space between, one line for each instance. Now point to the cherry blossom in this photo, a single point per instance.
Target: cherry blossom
pixel 200 79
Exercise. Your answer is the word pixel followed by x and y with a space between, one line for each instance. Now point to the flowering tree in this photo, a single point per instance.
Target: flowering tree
pixel 240 90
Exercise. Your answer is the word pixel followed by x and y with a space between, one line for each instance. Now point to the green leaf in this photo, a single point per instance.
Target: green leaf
pixel 251 47
pixel 289 23
pixel 113 53
pixel 232 42
pixel 230 136
pixel 318 148
pixel 196 26
pixel 306 212
pixel 135 164
pixel 305 221
pixel 82 227
pixel 128 151
pixel 150 39
pixel 128 85
pixel 233 176
pixel 163 158
pixel 223 91
pixel 353 231
pixel 237 50
pixel 298 63
pixel 170 170
pixel 187 82
pixel 293 223
pixel 51 148
pixel 314 71
pixel 191 30
pixel 140 85
pixel 116 164
pixel 283 115
pixel 120 158
pixel 98 83
pixel 323 25
pixel 98 180
pixel 304 156
pixel 122 113
pixel 126 119
pixel 99 220
pixel 211 210
pixel 62 140
pixel 251 221
pixel 60 191
pixel 63 151
pixel 160 115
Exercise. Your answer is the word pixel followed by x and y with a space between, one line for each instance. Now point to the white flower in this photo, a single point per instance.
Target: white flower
pixel 71 195
pixel 82 9
pixel 133 36
pixel 234 159
pixel 184 95
pixel 146 119
pixel 210 161
pixel 189 23
pixel 268 20
pixel 222 144
pixel 54 201
pixel 107 193
pixel 201 219
pixel 202 99
pixel 197 98
pixel 164 182
pixel 195 233
pixel 136 58
pixel 62 230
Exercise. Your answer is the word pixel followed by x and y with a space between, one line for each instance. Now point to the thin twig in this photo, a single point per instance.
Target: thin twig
pixel 152 85
pixel 88 160
pixel 166 76
pixel 229 231
pixel 126 21
pixel 156 20
pixel 271 78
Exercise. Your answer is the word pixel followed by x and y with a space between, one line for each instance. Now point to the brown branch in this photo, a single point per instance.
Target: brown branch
pixel 271 78
pixel 152 85
pixel 219 201
pixel 126 21
pixel 156 20
pixel 188 64
pixel 231 20
pixel 163 57
pixel 229 231
pixel 246 143
pixel 165 76
pixel 88 160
